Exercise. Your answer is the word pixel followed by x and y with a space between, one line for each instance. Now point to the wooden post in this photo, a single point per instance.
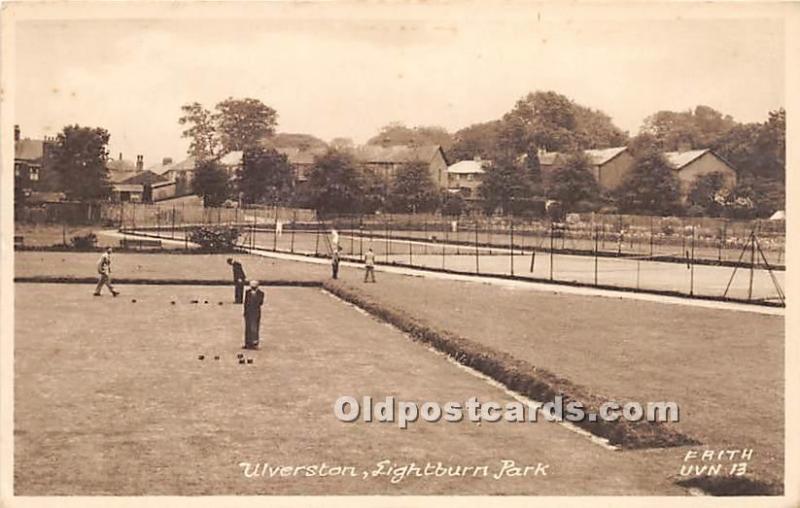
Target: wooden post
pixel 294 222
pixel 511 230
pixel 651 235
pixel 596 235
pixel 691 276
pixel 477 255
pixel 752 263
pixel 173 221
pixel 551 250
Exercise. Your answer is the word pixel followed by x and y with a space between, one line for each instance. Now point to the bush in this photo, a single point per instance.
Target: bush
pixel 83 242
pixel 221 239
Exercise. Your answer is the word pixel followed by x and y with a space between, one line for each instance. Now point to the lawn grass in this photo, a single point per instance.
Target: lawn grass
pixel 111 399
pixel 724 368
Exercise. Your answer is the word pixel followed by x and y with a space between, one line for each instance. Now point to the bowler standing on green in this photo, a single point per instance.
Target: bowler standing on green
pixel 253 300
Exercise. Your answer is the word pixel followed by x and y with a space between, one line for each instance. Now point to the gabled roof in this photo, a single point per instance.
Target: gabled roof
pixel 187 164
pixel 143 178
pixel 399 154
pixel 298 156
pixel 603 155
pixel 678 160
pixel 28 149
pixel 468 167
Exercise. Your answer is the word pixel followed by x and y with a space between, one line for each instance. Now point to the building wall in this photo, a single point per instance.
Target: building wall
pixel 611 174
pixel 162 191
pixel 703 165
pixel 438 168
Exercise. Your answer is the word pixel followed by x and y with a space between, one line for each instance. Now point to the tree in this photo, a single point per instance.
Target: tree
pixel 202 131
pixel 79 156
pixel 692 129
pixel 506 187
pixel 651 187
pixel 211 182
pixel 573 183
pixel 343 144
pixel 244 123
pixel 396 133
pixel 413 190
pixel 477 140
pixel 334 184
pixel 266 176
pixel 453 205
pixel 707 194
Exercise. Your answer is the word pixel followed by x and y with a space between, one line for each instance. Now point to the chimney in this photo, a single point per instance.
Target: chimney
pixel 120 156
pixel 16 133
pixel 139 162
pixel 166 161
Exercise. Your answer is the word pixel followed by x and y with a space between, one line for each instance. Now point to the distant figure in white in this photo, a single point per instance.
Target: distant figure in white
pixel 334 240
pixel 278 228
pixel 369 265
pixel 104 273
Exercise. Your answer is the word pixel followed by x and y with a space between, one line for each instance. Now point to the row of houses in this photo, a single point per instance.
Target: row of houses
pixel 609 167
pixel 169 180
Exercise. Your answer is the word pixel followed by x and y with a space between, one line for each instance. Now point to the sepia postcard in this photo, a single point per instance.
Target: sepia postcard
pixel 398 254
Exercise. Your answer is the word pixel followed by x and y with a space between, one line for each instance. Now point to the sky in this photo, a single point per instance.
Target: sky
pixel 333 76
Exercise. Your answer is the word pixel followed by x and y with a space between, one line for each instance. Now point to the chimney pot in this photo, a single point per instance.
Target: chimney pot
pixel 16 133
pixel 120 156
pixel 166 160
pixel 139 162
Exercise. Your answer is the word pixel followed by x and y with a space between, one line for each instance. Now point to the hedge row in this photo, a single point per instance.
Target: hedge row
pixel 520 376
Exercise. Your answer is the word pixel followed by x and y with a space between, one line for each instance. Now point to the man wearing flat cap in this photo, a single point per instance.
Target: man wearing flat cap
pixel 253 300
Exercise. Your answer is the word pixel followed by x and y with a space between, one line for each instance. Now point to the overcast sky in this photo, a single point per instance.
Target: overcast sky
pixel 334 77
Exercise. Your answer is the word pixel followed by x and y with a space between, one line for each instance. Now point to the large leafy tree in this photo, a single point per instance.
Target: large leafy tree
pixel 413 190
pixel 477 140
pixel 201 131
pixel 573 184
pixel 235 124
pixel 651 187
pixel 692 129
pixel 244 123
pixel 505 187
pixel 79 156
pixel 211 182
pixel 266 176
pixel 334 184
pixel 397 133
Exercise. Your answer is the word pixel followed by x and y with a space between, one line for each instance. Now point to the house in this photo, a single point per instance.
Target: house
pixel 387 160
pixel 692 164
pixel 301 159
pixel 136 188
pixel 32 167
pixel 182 173
pixel 609 166
pixel 464 177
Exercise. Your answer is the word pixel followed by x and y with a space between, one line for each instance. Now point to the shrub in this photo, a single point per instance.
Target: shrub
pixel 222 239
pixel 83 242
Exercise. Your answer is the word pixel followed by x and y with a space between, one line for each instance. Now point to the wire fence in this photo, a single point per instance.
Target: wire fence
pixel 739 260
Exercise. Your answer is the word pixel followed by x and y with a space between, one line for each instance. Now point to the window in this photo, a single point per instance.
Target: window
pixel 33 174
pixel 17 169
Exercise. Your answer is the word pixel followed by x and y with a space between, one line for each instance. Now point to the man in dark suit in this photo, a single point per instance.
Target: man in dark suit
pixel 253 300
pixel 238 280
